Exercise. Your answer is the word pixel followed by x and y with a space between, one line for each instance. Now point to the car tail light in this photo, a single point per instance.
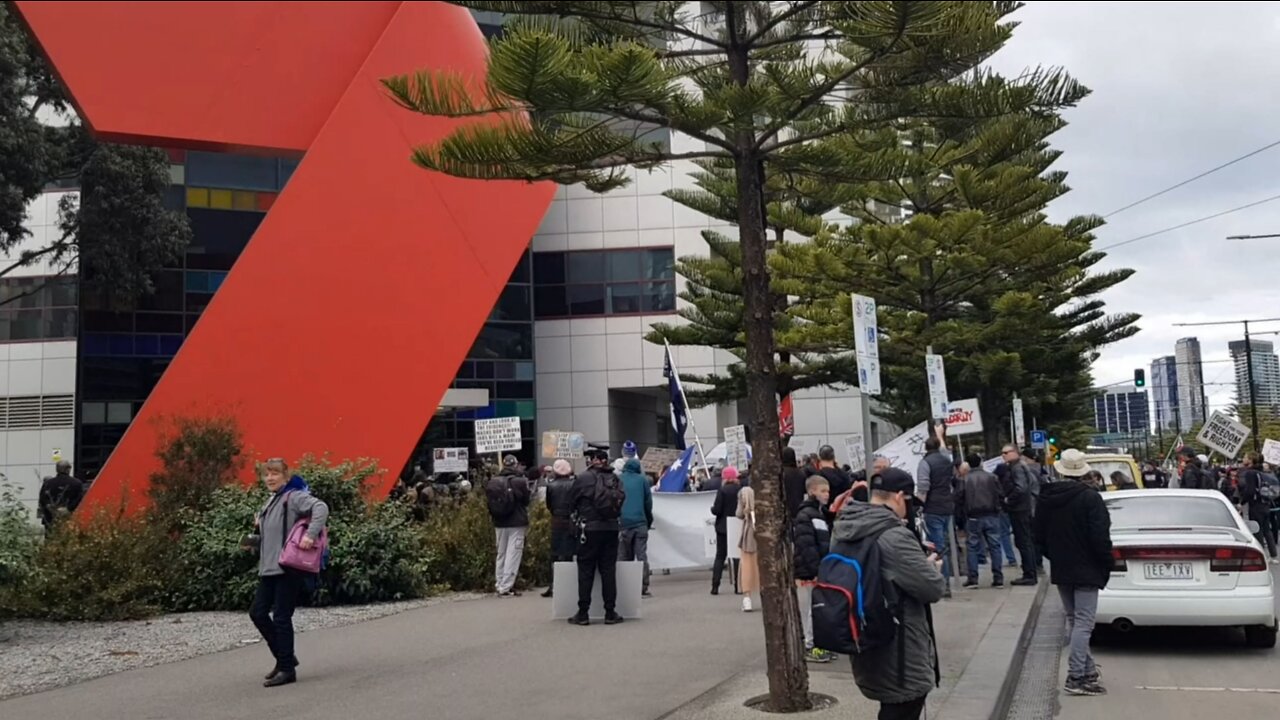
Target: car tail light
pixel 1221 559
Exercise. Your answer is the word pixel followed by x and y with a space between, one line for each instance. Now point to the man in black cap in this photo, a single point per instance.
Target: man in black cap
pixel 597 504
pixel 901 673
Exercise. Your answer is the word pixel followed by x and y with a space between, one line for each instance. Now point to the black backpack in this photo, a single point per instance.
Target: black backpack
pixel 608 496
pixel 854 610
pixel 502 501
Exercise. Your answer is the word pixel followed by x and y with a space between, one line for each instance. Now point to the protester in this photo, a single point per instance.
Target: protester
pixel 564 541
pixel 1122 481
pixel 935 484
pixel 637 518
pixel 1073 530
pixel 725 504
pixel 1193 476
pixel 597 503
pixel 811 536
pixel 901 673
pixel 508 497
pixel 793 481
pixel 1258 507
pixel 1153 477
pixel 280 588
pixel 979 496
pixel 749 564
pixel 59 495
pixel 839 480
pixel 1017 495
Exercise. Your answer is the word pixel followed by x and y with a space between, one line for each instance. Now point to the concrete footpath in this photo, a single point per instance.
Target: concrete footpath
pixel 693 655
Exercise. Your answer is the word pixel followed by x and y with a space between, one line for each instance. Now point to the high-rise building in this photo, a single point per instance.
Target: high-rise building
pixel 1121 411
pixel 1164 392
pixel 1191 395
pixel 1266 372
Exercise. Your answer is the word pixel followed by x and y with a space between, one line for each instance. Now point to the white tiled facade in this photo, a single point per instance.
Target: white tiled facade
pixel 35 369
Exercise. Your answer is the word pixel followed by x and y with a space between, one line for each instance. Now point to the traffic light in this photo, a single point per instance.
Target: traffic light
pixel 1140 377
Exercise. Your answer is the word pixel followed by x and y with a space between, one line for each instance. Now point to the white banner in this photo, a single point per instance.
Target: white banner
pixel 905 451
pixel 1223 434
pixel 678 540
pixel 1271 451
pixel 963 417
pixel 449 460
pixel 497 434
pixel 866 343
pixel 857 449
pixel 1019 428
pixel 937 375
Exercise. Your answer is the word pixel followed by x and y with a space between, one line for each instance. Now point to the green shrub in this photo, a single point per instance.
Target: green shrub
pixel 461 546
pixel 19 541
pixel 198 456
pixel 211 571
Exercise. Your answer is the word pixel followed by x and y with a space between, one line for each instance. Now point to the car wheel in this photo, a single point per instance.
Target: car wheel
pixel 1260 636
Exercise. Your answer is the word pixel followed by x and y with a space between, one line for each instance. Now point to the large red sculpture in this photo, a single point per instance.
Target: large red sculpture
pixel 347 316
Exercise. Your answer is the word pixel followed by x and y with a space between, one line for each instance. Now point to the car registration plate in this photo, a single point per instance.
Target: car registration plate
pixel 1168 571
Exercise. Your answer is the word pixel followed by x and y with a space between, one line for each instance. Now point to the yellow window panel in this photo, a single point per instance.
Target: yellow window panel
pixel 241 200
pixel 197 197
pixel 220 199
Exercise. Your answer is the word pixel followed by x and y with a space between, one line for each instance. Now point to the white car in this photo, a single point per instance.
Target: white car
pixel 1186 558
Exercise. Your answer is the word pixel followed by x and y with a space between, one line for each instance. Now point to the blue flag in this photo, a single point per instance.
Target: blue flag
pixel 679 413
pixel 678 476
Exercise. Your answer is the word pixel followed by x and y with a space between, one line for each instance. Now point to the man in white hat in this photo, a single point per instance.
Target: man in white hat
pixel 1073 530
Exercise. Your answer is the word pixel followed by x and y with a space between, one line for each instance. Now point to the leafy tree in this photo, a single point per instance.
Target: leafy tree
pixel 576 90
pixel 117 230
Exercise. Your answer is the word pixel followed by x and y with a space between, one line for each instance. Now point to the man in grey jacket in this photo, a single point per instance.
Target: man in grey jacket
pixel 900 674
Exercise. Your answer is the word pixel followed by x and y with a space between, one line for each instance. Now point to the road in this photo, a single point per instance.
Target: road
pixel 1177 674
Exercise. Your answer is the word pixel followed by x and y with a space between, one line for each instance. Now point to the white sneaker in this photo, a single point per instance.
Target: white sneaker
pixel 746 604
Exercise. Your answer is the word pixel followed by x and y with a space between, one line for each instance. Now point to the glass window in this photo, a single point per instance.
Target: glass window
pixel 466 370
pixel 527 410
pixel 120 344
pixel 157 323
pixel 586 300
pixel 624 299
pixel 1170 511
pixel 168 294
pixel 119 413
pixel 513 304
pixel 6 319
pixel 64 293
pixel 514 390
pixel 550 301
pixel 660 264
pixel 509 341
pixel 585 267
pixel 504 370
pixel 524 371
pixel 624 265
pixel 660 297
pixel 93 413
pixel 484 370
pixel 26 324
pixel 548 268
pixel 521 272
pixel 215 231
pixel 62 323
pixel 197 281
pixel 224 170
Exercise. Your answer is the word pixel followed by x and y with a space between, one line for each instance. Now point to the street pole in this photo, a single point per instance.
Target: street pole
pixel 1253 398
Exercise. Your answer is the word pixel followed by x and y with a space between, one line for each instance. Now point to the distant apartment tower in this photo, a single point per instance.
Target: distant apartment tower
pixel 1121 410
pixel 1266 372
pixel 1164 392
pixel 1190 382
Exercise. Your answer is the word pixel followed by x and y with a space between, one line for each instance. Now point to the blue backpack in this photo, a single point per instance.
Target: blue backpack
pixel 854 609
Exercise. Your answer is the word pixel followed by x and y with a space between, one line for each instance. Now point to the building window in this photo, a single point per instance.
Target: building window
pixel 38 308
pixel 604 282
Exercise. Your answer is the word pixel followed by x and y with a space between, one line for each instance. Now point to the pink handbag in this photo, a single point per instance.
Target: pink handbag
pixel 294 557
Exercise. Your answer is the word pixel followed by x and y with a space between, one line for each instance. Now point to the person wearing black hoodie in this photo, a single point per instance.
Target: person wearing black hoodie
pixel 811 536
pixel 1073 530
pixel 564 541
pixel 725 504
pixel 793 482
pixel 1256 505
pixel 508 495
pixel 598 541
pixel 838 479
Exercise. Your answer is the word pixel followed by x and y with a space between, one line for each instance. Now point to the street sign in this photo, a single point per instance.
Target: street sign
pixel 449 460
pixel 1020 430
pixel 963 417
pixel 937 386
pixel 497 434
pixel 1039 439
pixel 1223 434
pixel 866 342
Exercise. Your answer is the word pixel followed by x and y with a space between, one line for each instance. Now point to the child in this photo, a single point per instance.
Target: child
pixel 812 538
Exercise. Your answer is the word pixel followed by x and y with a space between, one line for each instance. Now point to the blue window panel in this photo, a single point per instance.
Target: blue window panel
pixel 524 371
pixel 485 413
pixel 120 344
pixel 146 344
pixel 169 344
pixel 96 344
pixel 465 415
pixel 197 281
pixel 238 172
pixel 287 166
pixel 215 280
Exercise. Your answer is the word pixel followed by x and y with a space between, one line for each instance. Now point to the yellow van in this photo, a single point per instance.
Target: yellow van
pixel 1107 463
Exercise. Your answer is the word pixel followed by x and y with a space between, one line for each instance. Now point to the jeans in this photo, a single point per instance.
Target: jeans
pixel 910 710
pixel 507 564
pixel 272 614
pixel 633 544
pixel 985 532
pixel 1081 605
pixel 1006 539
pixel 1021 521
pixel 598 552
pixel 722 554
pixel 938 529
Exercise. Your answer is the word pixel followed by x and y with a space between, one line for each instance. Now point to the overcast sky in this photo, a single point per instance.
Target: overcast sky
pixel 1178 88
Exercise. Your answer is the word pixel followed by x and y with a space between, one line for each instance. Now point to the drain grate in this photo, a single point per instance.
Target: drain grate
pixel 1036 696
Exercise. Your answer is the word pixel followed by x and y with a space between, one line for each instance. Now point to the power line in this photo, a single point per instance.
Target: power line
pixel 1189 223
pixel 1188 181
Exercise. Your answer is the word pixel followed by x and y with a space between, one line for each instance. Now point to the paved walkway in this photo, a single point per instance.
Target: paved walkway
pixel 484 659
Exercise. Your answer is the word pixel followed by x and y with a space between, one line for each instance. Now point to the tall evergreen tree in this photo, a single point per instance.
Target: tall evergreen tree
pixel 575 90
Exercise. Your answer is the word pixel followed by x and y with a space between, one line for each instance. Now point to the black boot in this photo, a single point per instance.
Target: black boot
pixel 274 669
pixel 547 593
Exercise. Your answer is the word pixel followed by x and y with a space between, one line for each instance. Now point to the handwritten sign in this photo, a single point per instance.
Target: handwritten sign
pixel 656 459
pixel 1223 434
pixel 497 434
pixel 963 417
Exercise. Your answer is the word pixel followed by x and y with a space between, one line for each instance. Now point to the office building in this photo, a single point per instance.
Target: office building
pixel 1164 393
pixel 1191 392
pixel 1266 372
pixel 1121 411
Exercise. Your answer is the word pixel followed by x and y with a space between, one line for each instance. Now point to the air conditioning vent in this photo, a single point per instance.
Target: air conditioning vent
pixel 34 412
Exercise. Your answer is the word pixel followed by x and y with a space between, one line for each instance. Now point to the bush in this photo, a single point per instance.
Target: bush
pixel 461 548
pixel 198 455
pixel 19 539
pixel 211 571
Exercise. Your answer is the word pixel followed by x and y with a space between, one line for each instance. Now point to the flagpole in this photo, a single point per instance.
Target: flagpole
pixel 688 411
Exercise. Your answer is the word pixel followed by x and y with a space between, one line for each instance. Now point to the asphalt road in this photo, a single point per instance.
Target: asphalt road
pixel 1177 674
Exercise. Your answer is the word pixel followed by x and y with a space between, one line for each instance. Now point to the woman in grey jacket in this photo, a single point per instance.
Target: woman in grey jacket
pixel 279 589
